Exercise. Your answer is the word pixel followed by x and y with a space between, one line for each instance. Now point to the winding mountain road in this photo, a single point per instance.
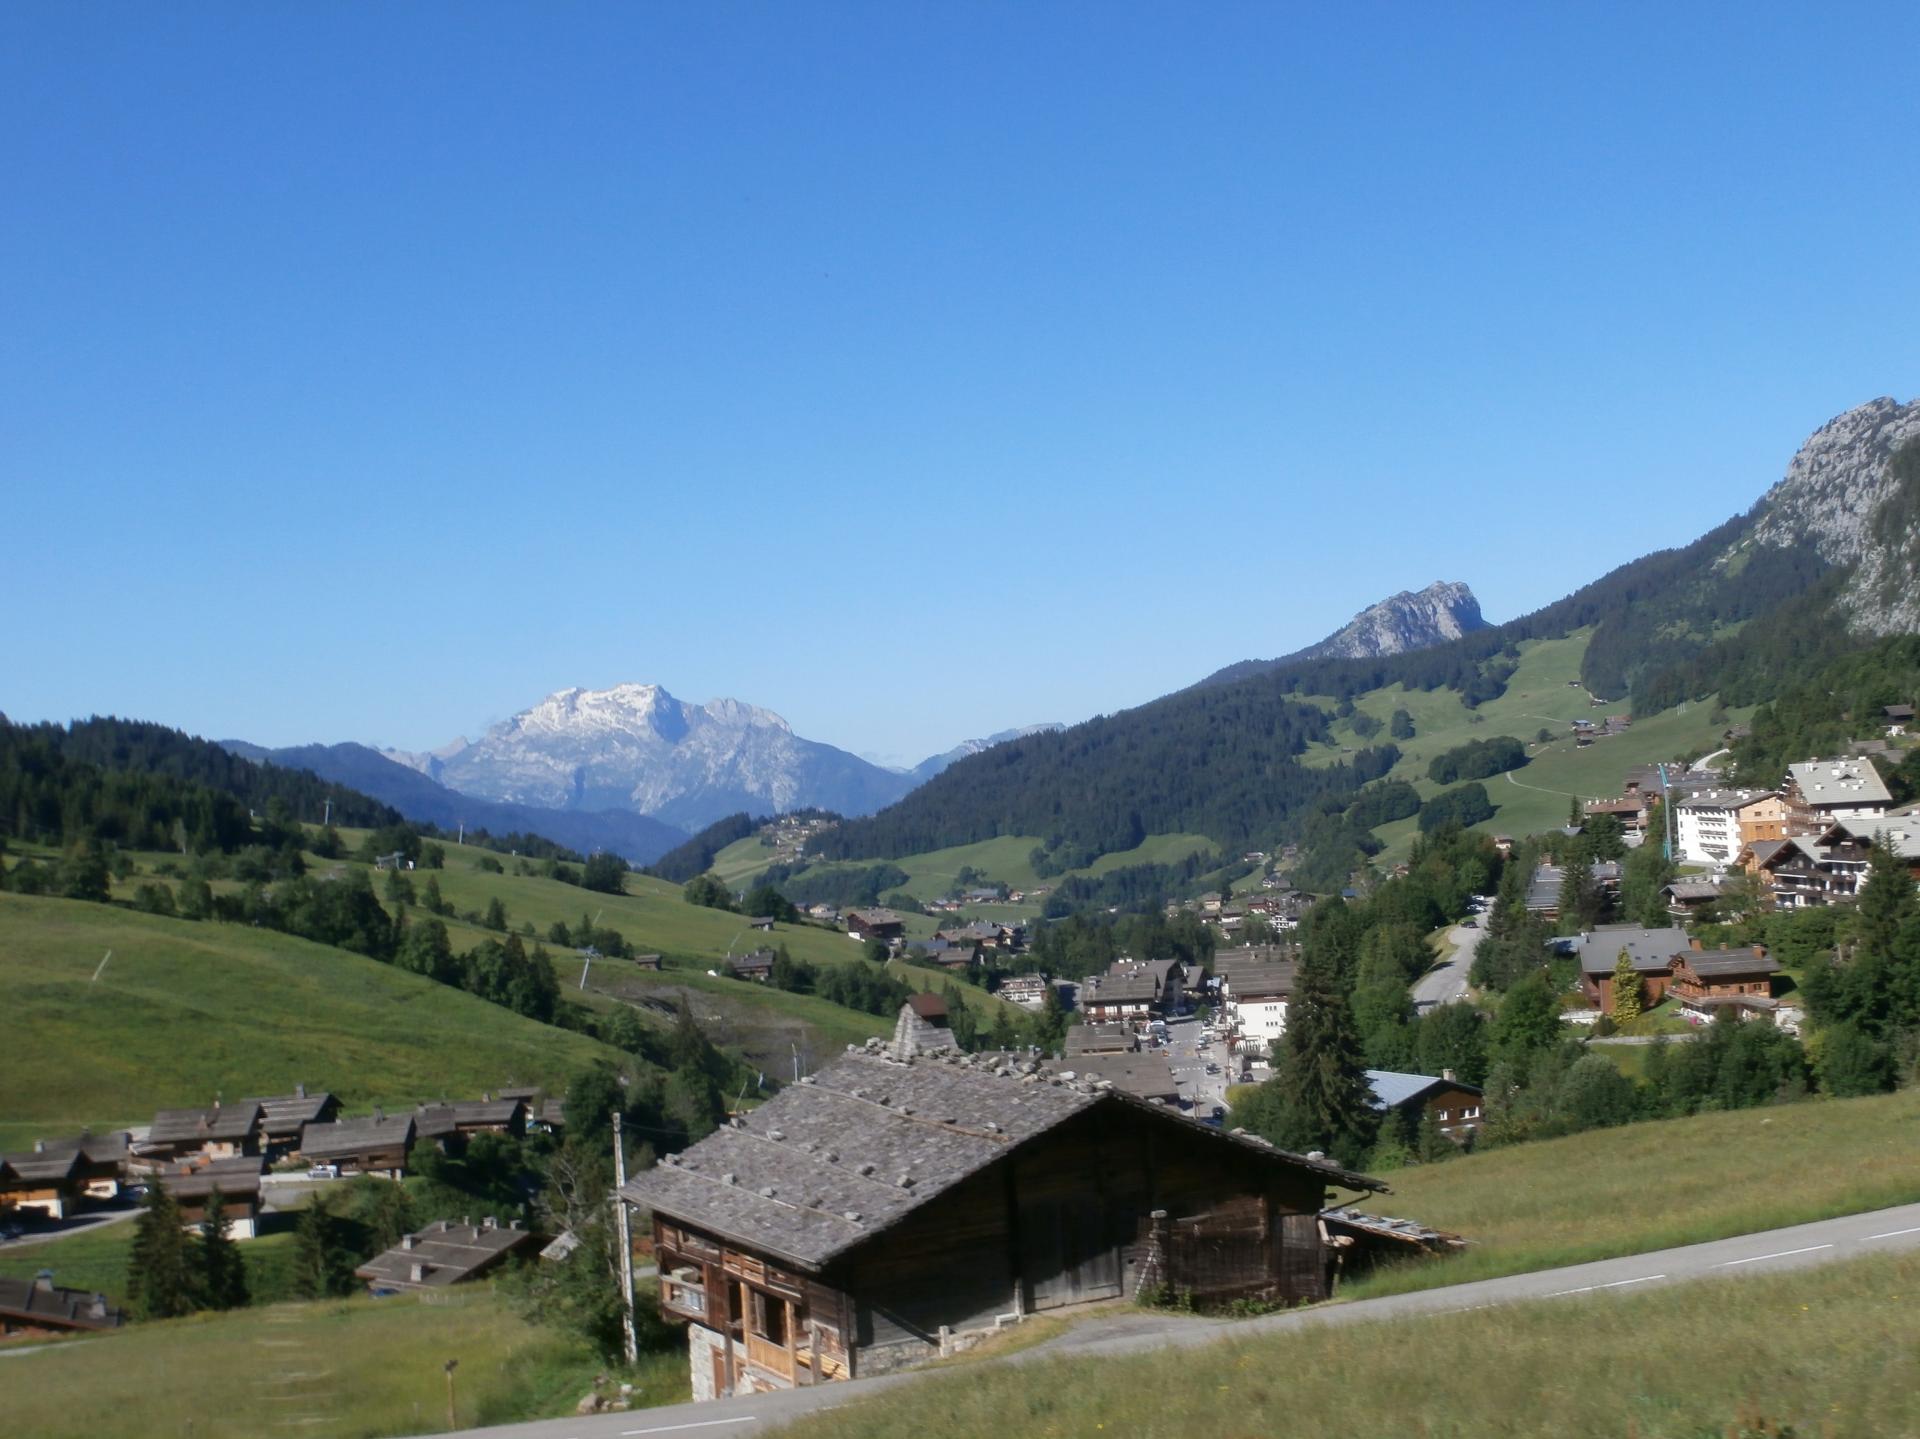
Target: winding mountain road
pixel 1445 983
pixel 1883 1231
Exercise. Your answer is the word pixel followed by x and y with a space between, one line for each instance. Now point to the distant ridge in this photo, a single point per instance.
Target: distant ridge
pixel 634 837
pixel 1411 620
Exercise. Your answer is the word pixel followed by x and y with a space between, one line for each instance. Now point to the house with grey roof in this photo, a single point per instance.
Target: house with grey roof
pixel 1454 1105
pixel 39 1308
pixel 444 1253
pixel 220 1131
pixel 1598 951
pixel 283 1117
pixel 374 1145
pixel 1822 791
pixel 882 1212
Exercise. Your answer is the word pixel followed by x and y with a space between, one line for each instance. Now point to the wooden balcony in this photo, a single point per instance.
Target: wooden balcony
pixel 771 1357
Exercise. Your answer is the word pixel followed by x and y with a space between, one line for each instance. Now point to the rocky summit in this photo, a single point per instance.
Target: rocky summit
pixel 637 747
pixel 1410 620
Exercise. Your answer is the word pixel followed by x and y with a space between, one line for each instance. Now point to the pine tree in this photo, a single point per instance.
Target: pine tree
pixel 223 1273
pixel 1581 902
pixel 162 1270
pixel 321 1265
pixel 1626 990
pixel 1321 1080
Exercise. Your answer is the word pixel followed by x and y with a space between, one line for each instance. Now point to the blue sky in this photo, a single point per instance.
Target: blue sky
pixel 367 372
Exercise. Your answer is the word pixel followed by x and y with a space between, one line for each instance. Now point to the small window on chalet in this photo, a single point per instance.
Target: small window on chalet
pixel 769 1317
pixel 1444 1116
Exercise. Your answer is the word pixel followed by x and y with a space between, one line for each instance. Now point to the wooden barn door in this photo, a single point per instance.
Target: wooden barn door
pixel 1303 1260
pixel 1068 1254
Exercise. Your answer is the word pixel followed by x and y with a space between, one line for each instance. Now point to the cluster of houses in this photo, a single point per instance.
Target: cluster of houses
pixel 225 1150
pixel 1279 906
pixel 1669 964
pixel 1807 842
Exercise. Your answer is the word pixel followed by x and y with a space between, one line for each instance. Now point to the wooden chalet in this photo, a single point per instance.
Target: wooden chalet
pixel 1029 991
pixel 883 1212
pixel 1598 951
pixel 284 1117
pixel 44 1184
pixel 444 1253
pixel 38 1308
pixel 881 924
pixel 647 961
pixel 1707 981
pixel 1454 1105
pixel 375 1145
pixel 236 1181
pixel 1688 898
pixel 757 966
pixel 450 1125
pixel 98 1170
pixel 223 1131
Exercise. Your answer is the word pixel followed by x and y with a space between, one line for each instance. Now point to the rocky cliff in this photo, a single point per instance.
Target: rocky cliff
pixel 1407 621
pixel 1844 494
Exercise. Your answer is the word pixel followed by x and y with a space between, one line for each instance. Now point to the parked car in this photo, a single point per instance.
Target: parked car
pixel 324 1171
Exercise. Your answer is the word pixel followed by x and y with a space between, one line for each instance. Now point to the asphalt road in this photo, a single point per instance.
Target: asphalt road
pixel 1882 1231
pixel 1448 982
pixel 1189 1059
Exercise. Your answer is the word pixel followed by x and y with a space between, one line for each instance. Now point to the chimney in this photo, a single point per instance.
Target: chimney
pixel 300 1091
pixel 417 1273
pixel 407 1241
pixel 488 1222
pixel 1759 951
pixel 1698 943
pixel 43 1281
pixel 1447 1074
pixel 98 1308
pixel 379 1114
pixel 39 1146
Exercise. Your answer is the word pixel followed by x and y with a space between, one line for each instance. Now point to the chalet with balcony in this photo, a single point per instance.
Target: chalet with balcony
pixel 1708 981
pixel 880 1213
pixel 757 965
pixel 1598 951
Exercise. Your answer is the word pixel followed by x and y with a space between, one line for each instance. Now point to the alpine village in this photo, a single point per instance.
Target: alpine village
pixel 421 1020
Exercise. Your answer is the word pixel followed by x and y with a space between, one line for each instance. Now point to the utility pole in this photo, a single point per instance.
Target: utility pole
pixel 453 1421
pixel 328 813
pixel 629 1339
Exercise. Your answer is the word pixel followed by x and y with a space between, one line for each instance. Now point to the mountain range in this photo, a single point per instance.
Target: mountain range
pixel 1822 563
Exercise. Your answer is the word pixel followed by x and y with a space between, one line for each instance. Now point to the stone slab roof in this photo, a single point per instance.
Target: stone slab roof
pixel 356 1136
pixel 839 1158
pixel 31 1302
pixel 441 1254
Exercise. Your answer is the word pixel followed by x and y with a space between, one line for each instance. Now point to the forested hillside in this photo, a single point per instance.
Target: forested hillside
pixel 1219 762
pixel 1729 614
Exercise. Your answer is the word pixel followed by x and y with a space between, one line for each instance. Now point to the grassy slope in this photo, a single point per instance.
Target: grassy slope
pixel 1538 697
pixel 339 1369
pixel 184 1011
pixel 1005 859
pixel 97 1260
pixel 1651 1186
pixel 1833 1351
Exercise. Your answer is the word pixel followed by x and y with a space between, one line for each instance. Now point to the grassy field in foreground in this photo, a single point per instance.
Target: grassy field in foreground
pixel 184 1011
pixel 1652 1186
pixel 1833 1352
pixel 339 1369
